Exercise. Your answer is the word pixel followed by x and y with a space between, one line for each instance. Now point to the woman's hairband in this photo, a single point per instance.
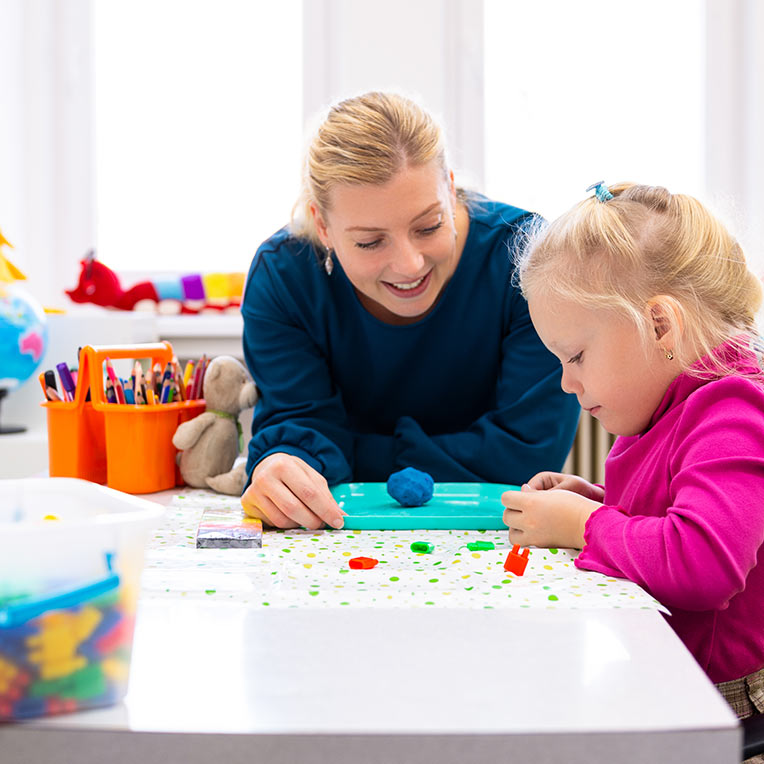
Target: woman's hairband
pixel 600 191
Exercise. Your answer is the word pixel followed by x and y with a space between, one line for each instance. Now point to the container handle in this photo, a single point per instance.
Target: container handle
pixel 15 615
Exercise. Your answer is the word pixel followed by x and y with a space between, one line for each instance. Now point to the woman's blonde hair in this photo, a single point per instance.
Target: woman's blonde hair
pixel 364 140
pixel 643 243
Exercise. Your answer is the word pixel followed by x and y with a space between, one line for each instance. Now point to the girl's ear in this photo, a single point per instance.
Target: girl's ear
pixel 320 225
pixel 665 314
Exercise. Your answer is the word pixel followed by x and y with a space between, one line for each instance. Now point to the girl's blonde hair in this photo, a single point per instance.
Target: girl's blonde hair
pixel 364 140
pixel 643 243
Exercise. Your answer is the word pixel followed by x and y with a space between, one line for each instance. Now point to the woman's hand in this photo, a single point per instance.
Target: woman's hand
pixel 285 492
pixel 546 481
pixel 547 518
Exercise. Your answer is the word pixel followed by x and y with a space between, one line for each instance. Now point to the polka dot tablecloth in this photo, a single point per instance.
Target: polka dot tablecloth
pixel 311 569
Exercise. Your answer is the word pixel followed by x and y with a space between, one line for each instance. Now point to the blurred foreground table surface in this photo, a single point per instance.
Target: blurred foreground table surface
pixel 217 681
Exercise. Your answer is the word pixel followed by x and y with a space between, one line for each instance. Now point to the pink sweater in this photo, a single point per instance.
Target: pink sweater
pixel 683 517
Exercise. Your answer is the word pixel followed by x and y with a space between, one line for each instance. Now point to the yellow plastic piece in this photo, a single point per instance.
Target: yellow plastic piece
pixel 63 668
pixel 215 285
pixel 223 286
pixel 60 637
pixel 8 271
pixel 8 673
pixel 115 669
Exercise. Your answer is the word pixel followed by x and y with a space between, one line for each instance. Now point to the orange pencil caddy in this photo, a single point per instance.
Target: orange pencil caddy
pixel 126 446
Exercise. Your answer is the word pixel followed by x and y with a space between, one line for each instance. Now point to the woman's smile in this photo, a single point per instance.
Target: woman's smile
pixel 409 289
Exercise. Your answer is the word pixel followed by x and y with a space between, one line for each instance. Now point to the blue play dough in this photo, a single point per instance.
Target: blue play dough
pixel 410 487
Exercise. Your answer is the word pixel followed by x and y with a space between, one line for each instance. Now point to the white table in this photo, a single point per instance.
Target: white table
pixel 216 681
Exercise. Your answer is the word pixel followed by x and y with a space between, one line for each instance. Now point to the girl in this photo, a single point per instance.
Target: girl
pixel 648 303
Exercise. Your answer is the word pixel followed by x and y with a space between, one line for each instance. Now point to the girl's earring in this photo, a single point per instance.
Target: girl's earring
pixel 669 354
pixel 328 262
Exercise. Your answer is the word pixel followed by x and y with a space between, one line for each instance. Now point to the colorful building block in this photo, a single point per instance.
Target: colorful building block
pixel 362 563
pixel 516 562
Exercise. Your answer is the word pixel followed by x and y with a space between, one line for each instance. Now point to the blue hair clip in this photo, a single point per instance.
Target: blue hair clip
pixel 600 191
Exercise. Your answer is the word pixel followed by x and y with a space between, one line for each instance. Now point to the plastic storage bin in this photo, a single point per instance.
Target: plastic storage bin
pixel 68 592
pixel 127 447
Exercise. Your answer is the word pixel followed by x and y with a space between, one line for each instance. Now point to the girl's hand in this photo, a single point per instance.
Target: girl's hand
pixel 285 492
pixel 545 481
pixel 552 518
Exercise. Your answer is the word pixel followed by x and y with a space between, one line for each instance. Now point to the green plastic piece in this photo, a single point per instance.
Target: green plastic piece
pixel 481 546
pixel 454 506
pixel 88 682
pixel 423 547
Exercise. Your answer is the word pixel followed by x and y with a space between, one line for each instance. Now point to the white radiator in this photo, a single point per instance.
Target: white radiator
pixel 590 447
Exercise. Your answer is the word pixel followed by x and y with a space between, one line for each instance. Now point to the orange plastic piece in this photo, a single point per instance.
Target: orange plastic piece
pixel 125 446
pixel 516 562
pixel 362 563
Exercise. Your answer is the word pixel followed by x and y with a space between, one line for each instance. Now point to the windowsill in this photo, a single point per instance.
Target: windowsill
pixel 209 333
pixel 24 454
pixel 201 325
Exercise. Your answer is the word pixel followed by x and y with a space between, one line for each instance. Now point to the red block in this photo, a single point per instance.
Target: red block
pixel 56 705
pixel 516 563
pixel 362 563
pixel 118 636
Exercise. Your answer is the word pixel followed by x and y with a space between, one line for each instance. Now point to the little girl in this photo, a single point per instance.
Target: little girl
pixel 647 301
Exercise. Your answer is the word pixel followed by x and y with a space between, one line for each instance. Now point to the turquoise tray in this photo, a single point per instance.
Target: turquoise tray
pixel 453 506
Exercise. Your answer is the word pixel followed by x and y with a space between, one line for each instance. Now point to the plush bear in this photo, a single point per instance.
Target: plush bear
pixel 209 443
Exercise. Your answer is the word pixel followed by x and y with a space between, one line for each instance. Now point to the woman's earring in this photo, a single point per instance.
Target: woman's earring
pixel 328 262
pixel 669 354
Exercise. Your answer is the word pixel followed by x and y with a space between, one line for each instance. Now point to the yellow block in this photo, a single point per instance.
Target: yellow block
pixel 218 286
pixel 115 669
pixel 61 635
pixel 62 668
pixel 215 285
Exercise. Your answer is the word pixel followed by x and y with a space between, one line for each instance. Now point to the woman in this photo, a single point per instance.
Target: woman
pixel 383 330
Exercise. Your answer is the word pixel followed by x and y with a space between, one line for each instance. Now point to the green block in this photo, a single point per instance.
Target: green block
pixel 481 546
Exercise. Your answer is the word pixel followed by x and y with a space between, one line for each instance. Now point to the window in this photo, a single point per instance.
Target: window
pixel 198 113
pixel 591 90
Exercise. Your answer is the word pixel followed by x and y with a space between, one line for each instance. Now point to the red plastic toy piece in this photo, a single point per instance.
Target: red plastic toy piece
pixel 118 636
pixel 362 563
pixel 516 562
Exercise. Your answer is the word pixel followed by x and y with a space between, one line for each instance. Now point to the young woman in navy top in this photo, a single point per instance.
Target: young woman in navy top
pixel 383 330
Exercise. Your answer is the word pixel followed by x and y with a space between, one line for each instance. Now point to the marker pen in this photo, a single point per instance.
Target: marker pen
pixel 66 380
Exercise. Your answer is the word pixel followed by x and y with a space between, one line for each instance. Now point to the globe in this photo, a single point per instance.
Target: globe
pixel 23 338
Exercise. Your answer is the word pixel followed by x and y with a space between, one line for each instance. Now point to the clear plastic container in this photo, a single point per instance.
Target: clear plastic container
pixel 71 557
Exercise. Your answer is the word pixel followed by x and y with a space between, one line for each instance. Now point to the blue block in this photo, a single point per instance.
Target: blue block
pixel 27 708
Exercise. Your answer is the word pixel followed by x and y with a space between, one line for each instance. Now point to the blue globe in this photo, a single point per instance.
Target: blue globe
pixel 23 335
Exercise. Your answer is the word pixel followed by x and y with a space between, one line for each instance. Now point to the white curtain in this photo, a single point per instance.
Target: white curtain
pixel 46 160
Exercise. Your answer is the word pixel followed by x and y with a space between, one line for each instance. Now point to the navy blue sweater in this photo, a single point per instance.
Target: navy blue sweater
pixel 468 393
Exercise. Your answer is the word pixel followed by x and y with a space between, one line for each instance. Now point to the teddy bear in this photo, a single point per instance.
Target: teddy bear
pixel 209 443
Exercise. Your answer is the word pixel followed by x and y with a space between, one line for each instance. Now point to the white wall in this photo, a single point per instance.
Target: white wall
pixel 430 49
pixel 735 118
